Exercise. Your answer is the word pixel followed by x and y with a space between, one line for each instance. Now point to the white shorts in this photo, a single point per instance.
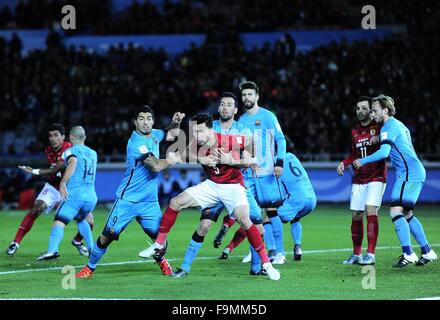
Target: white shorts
pixel 208 194
pixel 369 194
pixel 50 196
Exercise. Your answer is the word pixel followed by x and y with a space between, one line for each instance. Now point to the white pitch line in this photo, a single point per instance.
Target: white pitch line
pixel 430 298
pixel 199 258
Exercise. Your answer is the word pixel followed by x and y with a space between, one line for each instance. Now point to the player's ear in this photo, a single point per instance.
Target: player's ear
pixel 235 110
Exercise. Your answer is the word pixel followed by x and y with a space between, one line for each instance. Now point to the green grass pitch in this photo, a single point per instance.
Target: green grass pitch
pixel 320 274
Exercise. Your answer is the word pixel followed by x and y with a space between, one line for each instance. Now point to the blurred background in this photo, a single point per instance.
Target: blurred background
pixel 311 59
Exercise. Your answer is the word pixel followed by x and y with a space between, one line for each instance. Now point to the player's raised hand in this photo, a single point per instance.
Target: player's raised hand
pixel 278 171
pixel 178 117
pixel 173 158
pixel 63 191
pixel 209 161
pixel 26 169
pixel 340 168
pixel 357 163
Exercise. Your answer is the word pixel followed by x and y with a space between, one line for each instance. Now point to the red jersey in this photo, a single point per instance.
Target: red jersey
pixel 360 148
pixel 52 158
pixel 223 173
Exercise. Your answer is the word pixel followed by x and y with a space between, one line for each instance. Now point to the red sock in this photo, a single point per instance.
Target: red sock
pixel 372 233
pixel 256 241
pixel 79 237
pixel 228 221
pixel 25 227
pixel 238 238
pixel 357 235
pixel 168 220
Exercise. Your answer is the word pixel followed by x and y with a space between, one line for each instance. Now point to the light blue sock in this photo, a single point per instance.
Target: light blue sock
pixel 403 233
pixel 56 235
pixel 277 226
pixel 255 260
pixel 268 236
pixel 86 232
pixel 190 254
pixel 418 233
pixel 296 230
pixel 96 255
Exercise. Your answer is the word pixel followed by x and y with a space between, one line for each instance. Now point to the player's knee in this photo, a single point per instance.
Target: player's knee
pixel 358 215
pixel 294 220
pixel 396 214
pixel 371 210
pixel 103 242
pixel 90 220
pixel 177 203
pixel 204 227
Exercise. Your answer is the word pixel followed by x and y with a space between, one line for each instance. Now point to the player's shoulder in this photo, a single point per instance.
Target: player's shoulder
pixel 158 133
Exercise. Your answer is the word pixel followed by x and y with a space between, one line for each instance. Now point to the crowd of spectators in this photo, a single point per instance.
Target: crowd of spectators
pixel 203 16
pixel 311 92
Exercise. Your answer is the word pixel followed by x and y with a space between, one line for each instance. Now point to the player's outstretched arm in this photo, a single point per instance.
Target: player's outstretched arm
pixel 44 172
pixel 157 165
pixel 70 170
pixel 174 127
pixel 379 155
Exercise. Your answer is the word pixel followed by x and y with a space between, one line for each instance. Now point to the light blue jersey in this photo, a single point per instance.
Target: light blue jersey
pixel 81 185
pixel 266 132
pixel 295 178
pixel 396 142
pixel 140 182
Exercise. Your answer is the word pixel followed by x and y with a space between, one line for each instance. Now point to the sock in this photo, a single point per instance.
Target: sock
pixel 256 241
pixel 255 260
pixel 268 236
pixel 296 230
pixel 78 238
pixel 56 235
pixel 25 227
pixel 96 255
pixel 277 226
pixel 84 229
pixel 228 221
pixel 168 220
pixel 403 233
pixel 418 233
pixel 357 235
pixel 191 252
pixel 238 238
pixel 372 233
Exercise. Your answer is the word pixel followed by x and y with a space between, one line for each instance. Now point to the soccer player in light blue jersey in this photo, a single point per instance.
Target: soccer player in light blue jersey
pixel 227 109
pixel 77 188
pixel 300 201
pixel 395 140
pixel 266 186
pixel 136 197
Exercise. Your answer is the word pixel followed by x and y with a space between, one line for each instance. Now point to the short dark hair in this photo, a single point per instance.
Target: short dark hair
pixel 365 98
pixel 227 94
pixel 143 109
pixel 205 118
pixel 249 85
pixel 57 127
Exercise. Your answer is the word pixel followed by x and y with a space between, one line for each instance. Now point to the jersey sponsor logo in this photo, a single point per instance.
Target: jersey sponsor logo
pixel 258 122
pixel 143 149
pixel 384 135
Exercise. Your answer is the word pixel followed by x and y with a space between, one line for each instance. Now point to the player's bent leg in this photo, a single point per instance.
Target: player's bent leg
pixel 77 240
pixel 402 229
pixel 182 201
pixel 242 215
pixel 26 225
pixel 277 227
pixel 418 233
pixel 56 235
pixel 99 249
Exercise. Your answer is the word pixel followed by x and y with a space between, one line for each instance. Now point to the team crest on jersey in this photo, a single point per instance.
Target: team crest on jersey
pixel 143 149
pixel 258 122
pixel 373 132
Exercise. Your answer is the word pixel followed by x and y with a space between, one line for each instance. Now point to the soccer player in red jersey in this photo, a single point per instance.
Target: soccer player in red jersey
pixel 50 196
pixel 368 184
pixel 220 158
